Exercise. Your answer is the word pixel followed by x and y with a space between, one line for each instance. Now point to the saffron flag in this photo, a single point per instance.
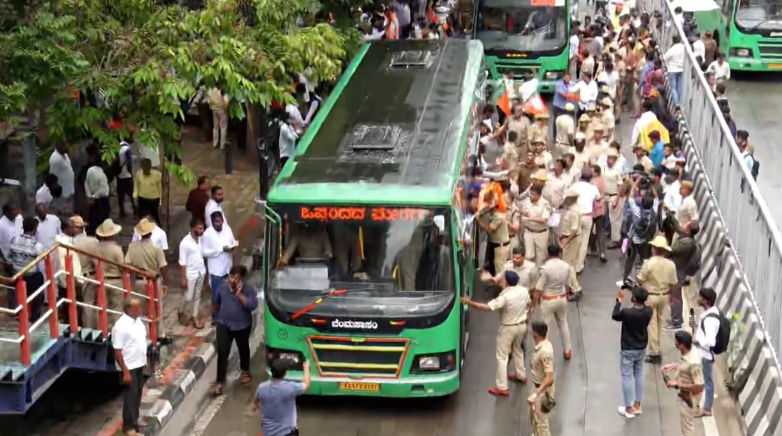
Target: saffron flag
pixel 502 97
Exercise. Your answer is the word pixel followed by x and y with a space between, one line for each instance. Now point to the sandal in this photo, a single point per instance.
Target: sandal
pixel 216 390
pixel 197 324
pixel 245 378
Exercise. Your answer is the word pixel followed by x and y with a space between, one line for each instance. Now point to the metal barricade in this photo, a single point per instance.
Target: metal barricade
pixel 26 297
pixel 753 234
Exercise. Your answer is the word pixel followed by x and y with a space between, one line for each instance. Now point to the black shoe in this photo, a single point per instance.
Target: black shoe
pixel 654 359
pixel 603 258
pixel 162 342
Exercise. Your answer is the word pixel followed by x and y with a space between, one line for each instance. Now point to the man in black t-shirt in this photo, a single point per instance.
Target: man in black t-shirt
pixel 635 321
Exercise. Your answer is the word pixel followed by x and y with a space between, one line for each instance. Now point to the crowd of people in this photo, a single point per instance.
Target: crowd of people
pixel 546 201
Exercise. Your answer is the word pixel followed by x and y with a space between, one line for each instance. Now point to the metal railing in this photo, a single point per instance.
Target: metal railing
pixel 50 287
pixel 752 232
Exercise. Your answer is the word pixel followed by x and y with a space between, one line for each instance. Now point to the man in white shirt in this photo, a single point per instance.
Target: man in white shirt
pixel 720 69
pixel 129 339
pixel 60 166
pixel 96 187
pixel 573 60
pixel 674 60
pixel 215 204
pixel 646 117
pixel 67 238
pixel 699 49
pixel 588 194
pixel 217 246
pixel 610 77
pixel 193 273
pixel 48 226
pixel 673 197
pixel 10 226
pixel 705 339
pixel 125 178
pixel 288 137
pixel 46 193
pixel 159 236
pixel 587 91
pixel 296 120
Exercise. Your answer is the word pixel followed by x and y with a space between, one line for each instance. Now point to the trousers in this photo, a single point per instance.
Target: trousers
pixel 686 417
pixel 615 218
pixel 539 418
pixel 192 299
pixel 586 229
pixel 219 128
pixel 632 367
pixel 149 206
pixel 225 338
pixel 131 400
pixel 509 340
pixel 570 255
pixel 536 246
pixel 555 310
pixel 659 305
pixel 501 256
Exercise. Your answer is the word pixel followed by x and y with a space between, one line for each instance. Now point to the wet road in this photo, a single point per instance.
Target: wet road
pixel 588 387
pixel 756 105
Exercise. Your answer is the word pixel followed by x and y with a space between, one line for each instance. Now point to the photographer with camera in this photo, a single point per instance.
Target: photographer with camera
pixel 643 220
pixel 635 337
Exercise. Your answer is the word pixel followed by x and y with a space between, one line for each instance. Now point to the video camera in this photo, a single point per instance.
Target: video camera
pixel 644 178
pixel 627 284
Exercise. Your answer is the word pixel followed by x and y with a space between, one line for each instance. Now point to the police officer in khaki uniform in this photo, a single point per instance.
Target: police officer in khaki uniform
pixel 493 222
pixel 542 400
pixel 616 201
pixel 513 303
pixel 658 276
pixel 527 271
pixel 535 213
pixel 566 131
pixel 570 238
pixel 585 127
pixel 539 130
pixel 551 294
pixel 543 158
pixel 556 185
pixel 513 217
pixel 607 118
pixel 689 381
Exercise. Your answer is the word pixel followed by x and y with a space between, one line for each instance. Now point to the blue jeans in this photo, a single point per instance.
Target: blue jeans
pixel 708 382
pixel 675 82
pixel 214 284
pixel 632 366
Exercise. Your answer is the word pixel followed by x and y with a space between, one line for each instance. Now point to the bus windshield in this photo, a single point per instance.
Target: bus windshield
pixel 522 25
pixel 759 15
pixel 391 261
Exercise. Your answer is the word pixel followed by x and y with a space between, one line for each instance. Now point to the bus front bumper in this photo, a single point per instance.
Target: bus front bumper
pixel 751 64
pixel 435 385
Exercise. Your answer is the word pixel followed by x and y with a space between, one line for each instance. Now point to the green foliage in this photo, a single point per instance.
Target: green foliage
pixel 141 58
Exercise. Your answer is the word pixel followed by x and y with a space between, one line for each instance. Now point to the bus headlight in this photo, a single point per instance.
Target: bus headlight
pixel 295 359
pixel 741 52
pixel 429 363
pixel 440 362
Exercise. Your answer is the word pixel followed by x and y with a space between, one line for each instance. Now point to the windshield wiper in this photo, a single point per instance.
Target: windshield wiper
pixel 325 295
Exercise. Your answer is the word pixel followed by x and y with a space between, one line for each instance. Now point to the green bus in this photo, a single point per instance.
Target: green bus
pixel 749 32
pixel 365 253
pixel 522 37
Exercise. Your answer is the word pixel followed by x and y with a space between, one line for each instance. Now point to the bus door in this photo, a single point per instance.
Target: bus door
pixel 272 239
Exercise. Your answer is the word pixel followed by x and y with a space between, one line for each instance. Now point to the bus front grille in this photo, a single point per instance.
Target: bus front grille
pixel 770 50
pixel 337 356
pixel 517 70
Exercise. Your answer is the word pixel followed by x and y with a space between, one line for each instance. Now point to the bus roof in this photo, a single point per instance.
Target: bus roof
pixel 392 131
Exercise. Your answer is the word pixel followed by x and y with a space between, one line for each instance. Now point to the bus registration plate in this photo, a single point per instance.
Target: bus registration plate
pixel 775 66
pixel 359 387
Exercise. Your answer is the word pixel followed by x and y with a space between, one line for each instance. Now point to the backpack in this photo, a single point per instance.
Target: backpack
pixel 723 333
pixel 755 168
pixel 646 227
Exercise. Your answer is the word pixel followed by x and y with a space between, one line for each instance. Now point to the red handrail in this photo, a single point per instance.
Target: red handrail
pixel 22 293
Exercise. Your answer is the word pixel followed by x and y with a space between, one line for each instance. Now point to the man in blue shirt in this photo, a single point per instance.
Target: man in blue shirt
pixel 656 154
pixel 234 304
pixel 278 397
pixel 561 97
